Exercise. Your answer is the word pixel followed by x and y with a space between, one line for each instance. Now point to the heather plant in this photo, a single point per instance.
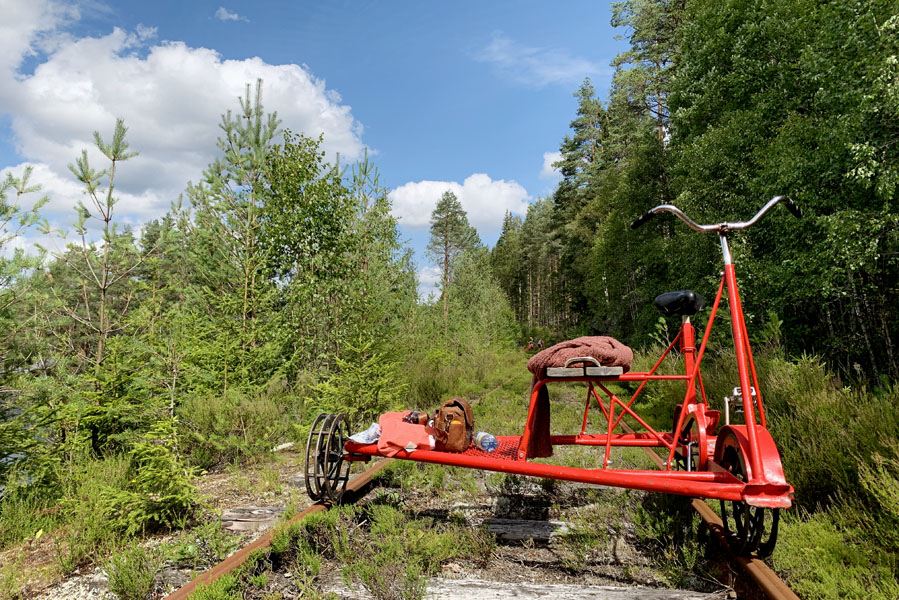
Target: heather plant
pixel 132 571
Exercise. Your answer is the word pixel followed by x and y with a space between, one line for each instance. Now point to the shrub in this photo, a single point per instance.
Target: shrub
pixel 11 578
pixel 132 571
pixel 203 545
pixel 86 532
pixel 161 492
pixel 24 515
pixel 399 553
pixel 366 384
pixel 236 426
pixel 824 558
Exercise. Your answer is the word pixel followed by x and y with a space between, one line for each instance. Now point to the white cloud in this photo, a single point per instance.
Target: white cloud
pixel 223 14
pixel 534 66
pixel 24 29
pixel 485 200
pixel 63 192
pixel 428 283
pixel 549 171
pixel 170 95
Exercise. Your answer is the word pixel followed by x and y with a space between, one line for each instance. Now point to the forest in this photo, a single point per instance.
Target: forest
pixel 278 285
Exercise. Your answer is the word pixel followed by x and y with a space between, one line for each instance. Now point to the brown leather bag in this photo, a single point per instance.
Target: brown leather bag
pixel 453 426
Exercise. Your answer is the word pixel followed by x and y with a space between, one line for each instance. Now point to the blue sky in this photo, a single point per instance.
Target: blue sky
pixel 468 96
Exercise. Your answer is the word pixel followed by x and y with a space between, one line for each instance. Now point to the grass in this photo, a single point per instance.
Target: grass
pixel 86 533
pixel 25 516
pixel 379 546
pixel 11 578
pixel 824 558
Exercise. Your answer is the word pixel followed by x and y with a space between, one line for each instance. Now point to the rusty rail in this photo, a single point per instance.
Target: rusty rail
pixel 761 574
pixel 767 580
pixel 237 559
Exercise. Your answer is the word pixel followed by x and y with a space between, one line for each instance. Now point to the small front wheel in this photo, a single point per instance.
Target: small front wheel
pixel 326 471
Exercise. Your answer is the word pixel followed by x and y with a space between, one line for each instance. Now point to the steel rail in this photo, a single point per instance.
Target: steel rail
pixel 236 560
pixel 765 577
pixel 761 574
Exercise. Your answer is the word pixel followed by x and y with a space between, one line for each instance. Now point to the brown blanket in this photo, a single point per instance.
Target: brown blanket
pixel 607 350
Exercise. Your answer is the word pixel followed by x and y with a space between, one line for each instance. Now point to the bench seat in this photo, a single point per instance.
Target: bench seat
pixel 562 372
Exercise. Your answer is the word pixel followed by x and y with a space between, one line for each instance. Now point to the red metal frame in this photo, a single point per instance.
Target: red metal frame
pixel 764 483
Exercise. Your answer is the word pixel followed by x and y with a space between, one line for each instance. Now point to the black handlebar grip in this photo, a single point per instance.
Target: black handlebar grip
pixel 642 219
pixel 793 208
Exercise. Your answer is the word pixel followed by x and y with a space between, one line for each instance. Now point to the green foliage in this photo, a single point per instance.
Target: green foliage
pixel 259 580
pixel 879 476
pixel 161 492
pixel 398 553
pixel 14 221
pixel 480 313
pixel 132 571
pixel 379 546
pixel 666 526
pixel 365 384
pixel 825 558
pixel 86 533
pixel 451 235
pixel 587 535
pixel 101 270
pixel 11 579
pixel 24 515
pixel 237 426
pixel 225 587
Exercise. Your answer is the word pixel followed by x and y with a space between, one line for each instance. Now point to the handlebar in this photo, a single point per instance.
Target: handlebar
pixel 719 227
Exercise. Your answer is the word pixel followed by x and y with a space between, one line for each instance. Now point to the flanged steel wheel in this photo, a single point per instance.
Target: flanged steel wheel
pixel 326 470
pixel 746 525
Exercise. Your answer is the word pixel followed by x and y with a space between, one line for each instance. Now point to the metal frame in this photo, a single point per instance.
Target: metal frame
pixel 762 484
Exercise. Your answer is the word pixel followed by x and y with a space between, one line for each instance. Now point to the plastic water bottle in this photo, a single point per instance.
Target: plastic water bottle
pixel 485 441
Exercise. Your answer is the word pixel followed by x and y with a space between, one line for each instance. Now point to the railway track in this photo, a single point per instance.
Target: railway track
pixel 763 576
pixel 236 560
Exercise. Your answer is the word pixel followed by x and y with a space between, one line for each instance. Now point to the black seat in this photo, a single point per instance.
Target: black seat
pixel 683 303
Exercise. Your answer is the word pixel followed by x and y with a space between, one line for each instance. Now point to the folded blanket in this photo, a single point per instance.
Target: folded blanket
pixel 607 350
pixel 540 445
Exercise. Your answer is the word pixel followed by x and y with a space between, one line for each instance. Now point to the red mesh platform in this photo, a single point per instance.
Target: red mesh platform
pixel 507 449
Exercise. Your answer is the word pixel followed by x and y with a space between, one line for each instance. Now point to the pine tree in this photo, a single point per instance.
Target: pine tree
pixel 103 272
pixel 451 234
pixel 228 257
pixel 646 84
pixel 507 265
pixel 14 220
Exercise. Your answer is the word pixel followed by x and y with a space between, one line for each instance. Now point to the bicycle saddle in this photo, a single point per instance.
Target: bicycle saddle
pixel 683 303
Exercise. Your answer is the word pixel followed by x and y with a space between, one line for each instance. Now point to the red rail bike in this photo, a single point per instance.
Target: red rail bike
pixel 707 454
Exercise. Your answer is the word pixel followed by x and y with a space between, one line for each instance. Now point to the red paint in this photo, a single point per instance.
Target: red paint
pixel 764 485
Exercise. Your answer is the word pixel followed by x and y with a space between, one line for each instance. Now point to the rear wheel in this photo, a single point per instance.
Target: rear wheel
pixel 745 525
